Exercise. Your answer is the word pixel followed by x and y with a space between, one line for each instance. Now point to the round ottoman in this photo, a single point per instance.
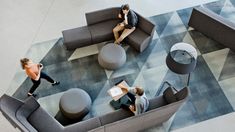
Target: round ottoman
pixel 112 56
pixel 75 103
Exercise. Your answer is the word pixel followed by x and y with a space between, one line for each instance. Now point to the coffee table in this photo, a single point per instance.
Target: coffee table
pixel 121 97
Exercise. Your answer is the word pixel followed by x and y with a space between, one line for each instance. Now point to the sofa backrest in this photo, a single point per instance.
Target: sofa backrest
pixel 84 126
pixel 156 102
pixel 214 26
pixel 12 109
pixel 115 116
pixel 102 15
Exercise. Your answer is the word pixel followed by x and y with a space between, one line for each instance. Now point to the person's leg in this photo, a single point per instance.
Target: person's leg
pixel 124 34
pixel 48 78
pixel 34 87
pixel 45 76
pixel 132 97
pixel 116 30
pixel 127 104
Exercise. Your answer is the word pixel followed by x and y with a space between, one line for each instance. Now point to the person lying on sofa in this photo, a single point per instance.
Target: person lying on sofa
pixel 128 24
pixel 139 102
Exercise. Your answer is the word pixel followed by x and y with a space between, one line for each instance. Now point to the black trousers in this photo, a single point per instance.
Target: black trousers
pixel 131 101
pixel 37 83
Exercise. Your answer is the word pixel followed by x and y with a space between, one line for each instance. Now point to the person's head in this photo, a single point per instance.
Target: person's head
pixel 125 8
pixel 139 91
pixel 24 62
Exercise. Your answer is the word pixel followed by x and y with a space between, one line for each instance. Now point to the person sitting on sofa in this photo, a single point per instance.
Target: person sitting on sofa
pixel 128 25
pixel 139 102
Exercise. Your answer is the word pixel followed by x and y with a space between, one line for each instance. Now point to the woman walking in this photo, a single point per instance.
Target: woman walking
pixel 34 72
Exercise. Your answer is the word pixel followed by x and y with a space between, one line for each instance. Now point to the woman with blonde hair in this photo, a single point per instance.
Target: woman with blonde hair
pixel 34 72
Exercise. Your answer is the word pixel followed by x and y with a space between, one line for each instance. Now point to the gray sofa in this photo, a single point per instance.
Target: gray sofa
pixel 100 26
pixel 30 116
pixel 214 26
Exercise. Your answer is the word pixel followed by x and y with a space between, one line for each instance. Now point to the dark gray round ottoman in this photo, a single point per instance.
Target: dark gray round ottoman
pixel 112 56
pixel 75 103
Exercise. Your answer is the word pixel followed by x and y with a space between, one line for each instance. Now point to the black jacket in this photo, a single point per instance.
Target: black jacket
pixel 132 19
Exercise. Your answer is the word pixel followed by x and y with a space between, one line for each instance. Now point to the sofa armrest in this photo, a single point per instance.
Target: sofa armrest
pixel 102 15
pixel 29 106
pixel 9 106
pixel 146 25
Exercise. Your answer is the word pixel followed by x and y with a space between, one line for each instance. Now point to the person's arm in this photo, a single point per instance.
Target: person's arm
pixel 34 76
pixel 137 109
pixel 119 16
pixel 131 20
pixel 125 19
pixel 124 88
pixel 38 76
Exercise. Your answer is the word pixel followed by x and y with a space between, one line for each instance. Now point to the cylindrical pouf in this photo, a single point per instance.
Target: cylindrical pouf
pixel 112 56
pixel 75 103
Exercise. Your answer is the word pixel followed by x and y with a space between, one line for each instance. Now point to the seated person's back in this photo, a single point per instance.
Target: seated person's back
pixel 138 99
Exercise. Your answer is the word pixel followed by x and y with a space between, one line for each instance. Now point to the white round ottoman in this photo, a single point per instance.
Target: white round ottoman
pixel 75 103
pixel 112 56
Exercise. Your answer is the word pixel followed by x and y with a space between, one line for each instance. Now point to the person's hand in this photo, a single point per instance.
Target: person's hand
pixel 125 90
pixel 119 15
pixel 132 108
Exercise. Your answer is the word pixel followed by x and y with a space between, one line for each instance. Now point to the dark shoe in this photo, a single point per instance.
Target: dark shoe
pixel 55 83
pixel 34 95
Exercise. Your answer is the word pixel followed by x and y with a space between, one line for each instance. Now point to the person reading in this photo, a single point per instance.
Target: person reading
pixel 128 24
pixel 139 102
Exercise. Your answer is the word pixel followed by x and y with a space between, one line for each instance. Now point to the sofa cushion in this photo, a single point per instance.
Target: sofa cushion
pixel 169 95
pixel 156 102
pixel 137 38
pixel 102 31
pixel 44 122
pixel 84 126
pixel 115 116
pixel 77 37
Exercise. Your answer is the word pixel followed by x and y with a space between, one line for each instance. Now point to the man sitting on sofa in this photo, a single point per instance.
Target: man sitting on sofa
pixel 128 25
pixel 138 99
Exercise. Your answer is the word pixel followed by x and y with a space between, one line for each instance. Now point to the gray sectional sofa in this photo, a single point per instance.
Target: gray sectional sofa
pixel 29 116
pixel 100 26
pixel 214 26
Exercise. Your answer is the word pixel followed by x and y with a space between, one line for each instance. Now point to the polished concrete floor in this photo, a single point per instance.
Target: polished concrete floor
pixel 41 23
